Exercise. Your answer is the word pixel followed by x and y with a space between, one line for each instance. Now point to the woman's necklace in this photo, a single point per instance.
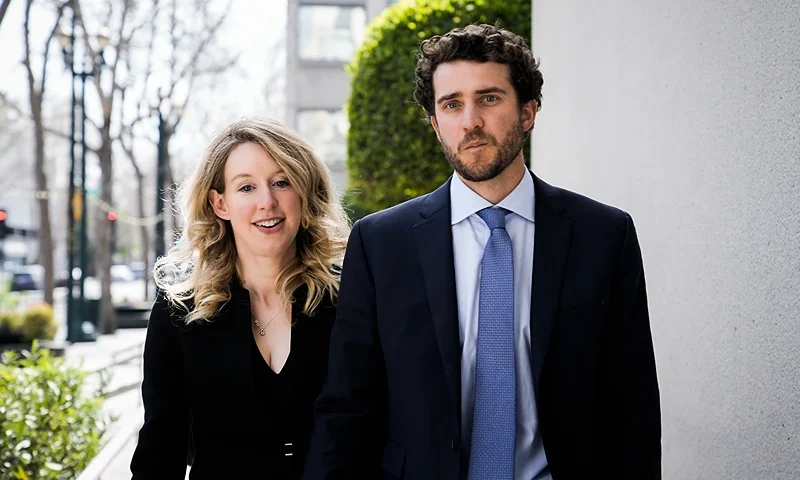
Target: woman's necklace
pixel 261 330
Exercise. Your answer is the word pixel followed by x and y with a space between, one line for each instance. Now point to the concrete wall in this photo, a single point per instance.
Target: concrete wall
pixel 319 85
pixel 323 85
pixel 687 115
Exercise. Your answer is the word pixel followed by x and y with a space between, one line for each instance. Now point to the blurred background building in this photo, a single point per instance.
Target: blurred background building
pixel 322 37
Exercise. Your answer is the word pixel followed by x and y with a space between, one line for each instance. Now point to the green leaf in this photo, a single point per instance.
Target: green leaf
pixel 20 474
pixel 56 467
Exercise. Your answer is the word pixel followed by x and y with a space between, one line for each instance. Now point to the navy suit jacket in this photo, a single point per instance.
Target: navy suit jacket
pixel 391 403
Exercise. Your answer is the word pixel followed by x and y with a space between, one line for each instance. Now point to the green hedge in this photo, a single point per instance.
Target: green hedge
pixel 36 323
pixel 392 152
pixel 50 428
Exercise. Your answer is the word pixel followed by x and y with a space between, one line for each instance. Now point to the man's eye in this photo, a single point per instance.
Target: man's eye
pixel 490 98
pixel 450 105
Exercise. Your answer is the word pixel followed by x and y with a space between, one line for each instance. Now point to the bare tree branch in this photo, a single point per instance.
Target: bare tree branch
pixel 13 105
pixel 105 155
pixel 3 9
pixel 36 98
pixel 50 36
pixel 210 31
pixel 46 129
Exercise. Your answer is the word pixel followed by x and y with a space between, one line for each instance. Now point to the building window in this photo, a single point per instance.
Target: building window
pixel 329 33
pixel 326 131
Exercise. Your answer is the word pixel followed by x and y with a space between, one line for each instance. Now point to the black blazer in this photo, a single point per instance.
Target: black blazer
pixel 392 401
pixel 199 386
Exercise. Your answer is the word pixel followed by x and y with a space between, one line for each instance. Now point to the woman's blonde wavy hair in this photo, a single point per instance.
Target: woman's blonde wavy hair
pixel 201 265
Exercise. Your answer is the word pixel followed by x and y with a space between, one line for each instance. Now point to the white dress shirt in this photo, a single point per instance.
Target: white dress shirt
pixel 470 235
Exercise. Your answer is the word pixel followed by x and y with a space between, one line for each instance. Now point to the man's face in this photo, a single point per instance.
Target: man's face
pixel 478 119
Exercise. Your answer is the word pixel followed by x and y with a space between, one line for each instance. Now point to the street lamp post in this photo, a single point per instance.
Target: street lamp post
pixel 76 313
pixel 67 42
pixel 84 239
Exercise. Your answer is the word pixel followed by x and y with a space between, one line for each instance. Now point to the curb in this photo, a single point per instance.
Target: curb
pixel 130 425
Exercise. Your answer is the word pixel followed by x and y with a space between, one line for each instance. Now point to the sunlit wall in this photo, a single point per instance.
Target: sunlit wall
pixel 687 115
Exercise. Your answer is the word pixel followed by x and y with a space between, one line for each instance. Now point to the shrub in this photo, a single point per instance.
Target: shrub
pixel 49 428
pixel 392 152
pixel 38 323
pixel 10 327
pixel 8 300
pixel 10 321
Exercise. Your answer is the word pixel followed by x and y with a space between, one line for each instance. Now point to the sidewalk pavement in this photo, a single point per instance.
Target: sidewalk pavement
pixel 120 355
pixel 106 350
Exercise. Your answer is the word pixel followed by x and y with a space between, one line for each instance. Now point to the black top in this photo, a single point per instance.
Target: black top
pixel 286 410
pixel 207 385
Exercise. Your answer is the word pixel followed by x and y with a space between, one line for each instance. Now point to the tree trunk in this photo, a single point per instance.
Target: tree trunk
pixel 171 190
pixel 45 239
pixel 145 235
pixel 108 319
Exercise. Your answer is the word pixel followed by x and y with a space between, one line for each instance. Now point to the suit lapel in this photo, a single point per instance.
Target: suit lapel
pixel 551 245
pixel 435 247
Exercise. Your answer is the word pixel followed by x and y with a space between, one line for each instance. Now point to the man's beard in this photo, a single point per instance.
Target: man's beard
pixel 481 170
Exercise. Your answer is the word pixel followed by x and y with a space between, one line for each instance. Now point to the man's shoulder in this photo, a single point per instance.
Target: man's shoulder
pixel 581 207
pixel 403 215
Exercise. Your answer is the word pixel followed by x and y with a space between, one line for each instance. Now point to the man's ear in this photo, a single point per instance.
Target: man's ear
pixel 528 116
pixel 435 126
pixel 217 202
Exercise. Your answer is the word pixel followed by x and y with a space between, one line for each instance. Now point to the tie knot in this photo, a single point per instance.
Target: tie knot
pixel 495 217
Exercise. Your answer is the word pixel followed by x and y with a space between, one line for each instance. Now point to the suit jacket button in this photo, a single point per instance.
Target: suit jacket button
pixel 454 444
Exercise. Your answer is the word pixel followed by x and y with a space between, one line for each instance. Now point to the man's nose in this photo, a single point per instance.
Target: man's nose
pixel 472 118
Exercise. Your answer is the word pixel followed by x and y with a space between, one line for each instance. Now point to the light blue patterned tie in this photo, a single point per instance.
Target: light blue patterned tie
pixel 494 421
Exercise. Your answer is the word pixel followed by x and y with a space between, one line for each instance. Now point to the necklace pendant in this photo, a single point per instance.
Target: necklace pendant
pixel 261 331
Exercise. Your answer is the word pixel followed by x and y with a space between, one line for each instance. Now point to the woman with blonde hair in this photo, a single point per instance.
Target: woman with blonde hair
pixel 237 343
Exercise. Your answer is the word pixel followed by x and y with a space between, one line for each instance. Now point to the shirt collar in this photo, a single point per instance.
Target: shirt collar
pixel 464 202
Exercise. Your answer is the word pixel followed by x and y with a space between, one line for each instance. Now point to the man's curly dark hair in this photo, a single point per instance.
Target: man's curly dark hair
pixel 478 43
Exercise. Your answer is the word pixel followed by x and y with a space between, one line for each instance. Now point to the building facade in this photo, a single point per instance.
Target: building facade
pixel 322 37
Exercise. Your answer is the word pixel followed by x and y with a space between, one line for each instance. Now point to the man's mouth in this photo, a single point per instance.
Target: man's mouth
pixel 473 145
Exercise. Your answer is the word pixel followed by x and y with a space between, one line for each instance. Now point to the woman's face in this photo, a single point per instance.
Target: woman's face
pixel 263 208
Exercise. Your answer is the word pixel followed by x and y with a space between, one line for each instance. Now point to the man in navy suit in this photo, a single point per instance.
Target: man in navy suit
pixel 498 327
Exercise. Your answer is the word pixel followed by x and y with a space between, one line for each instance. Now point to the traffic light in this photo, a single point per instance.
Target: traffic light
pixel 112 217
pixel 3 217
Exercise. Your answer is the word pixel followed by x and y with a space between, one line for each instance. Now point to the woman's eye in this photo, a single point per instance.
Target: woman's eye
pixel 281 184
pixel 246 188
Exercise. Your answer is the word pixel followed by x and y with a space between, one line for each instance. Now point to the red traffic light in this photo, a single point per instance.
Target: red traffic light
pixel 3 215
pixel 112 216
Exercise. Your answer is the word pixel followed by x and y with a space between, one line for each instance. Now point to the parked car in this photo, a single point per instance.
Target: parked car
pixel 22 281
pixel 122 273
pixel 139 270
pixel 27 277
